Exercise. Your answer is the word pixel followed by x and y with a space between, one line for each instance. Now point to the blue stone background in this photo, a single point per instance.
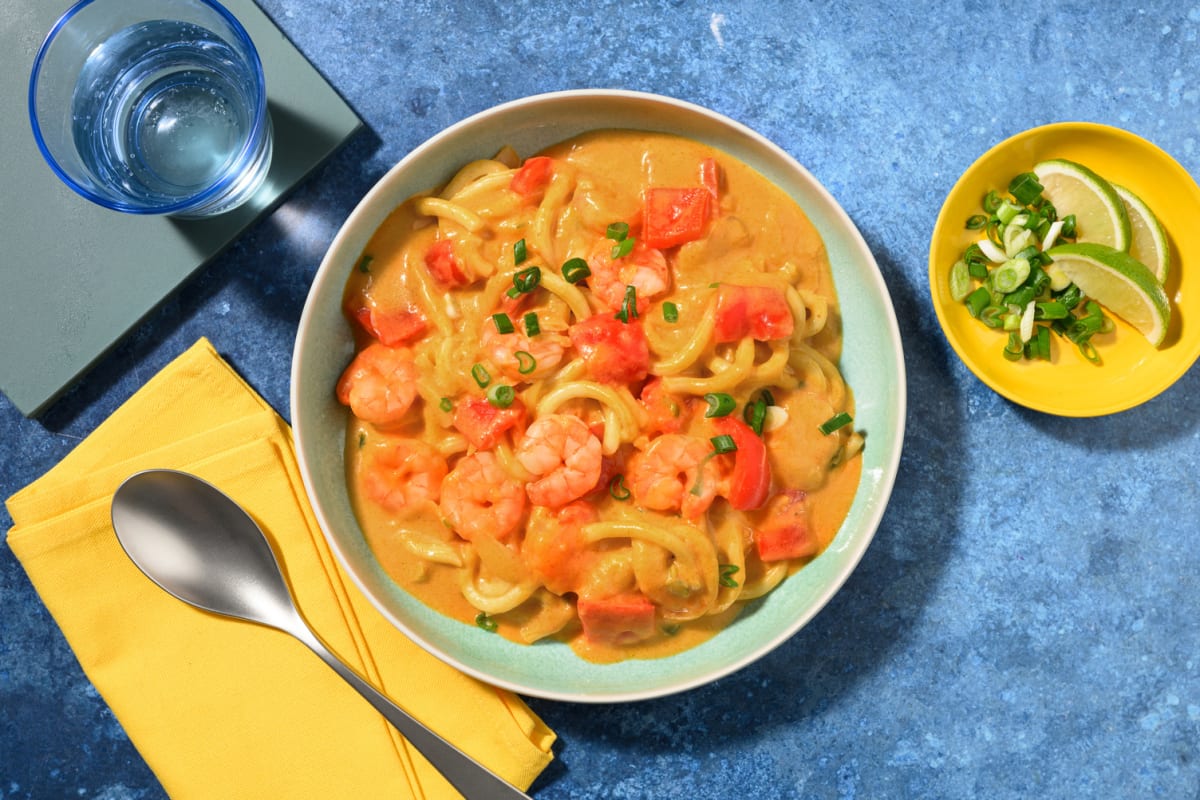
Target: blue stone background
pixel 1025 623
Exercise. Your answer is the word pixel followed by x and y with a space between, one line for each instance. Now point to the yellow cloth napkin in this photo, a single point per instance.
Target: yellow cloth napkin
pixel 225 709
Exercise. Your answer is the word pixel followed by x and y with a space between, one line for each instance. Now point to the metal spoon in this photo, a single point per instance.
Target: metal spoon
pixel 199 545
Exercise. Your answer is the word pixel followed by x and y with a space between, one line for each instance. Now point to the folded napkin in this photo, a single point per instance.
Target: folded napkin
pixel 221 708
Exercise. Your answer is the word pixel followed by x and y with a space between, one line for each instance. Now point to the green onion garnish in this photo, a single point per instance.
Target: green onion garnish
pixel 532 326
pixel 670 312
pixel 719 404
pixel 525 281
pixel 723 444
pixel 1025 188
pixel 618 489
pixel 519 253
pixel 755 415
pixel 727 573
pixel 481 376
pixel 623 248
pixel 836 422
pixel 628 305
pixel 501 395
pixel 526 363
pixel 976 222
pixel 503 323
pixel 617 231
pixel 575 269
pixel 446 404
pixel 364 263
pixel 486 622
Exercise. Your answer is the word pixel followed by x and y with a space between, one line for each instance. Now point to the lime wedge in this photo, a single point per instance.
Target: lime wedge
pixel 1120 283
pixel 1074 189
pixel 1148 240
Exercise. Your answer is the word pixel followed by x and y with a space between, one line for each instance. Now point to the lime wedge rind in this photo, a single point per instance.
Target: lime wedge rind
pixel 1120 283
pixel 1148 238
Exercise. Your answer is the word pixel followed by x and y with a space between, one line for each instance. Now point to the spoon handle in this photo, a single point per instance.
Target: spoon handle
pixel 468 776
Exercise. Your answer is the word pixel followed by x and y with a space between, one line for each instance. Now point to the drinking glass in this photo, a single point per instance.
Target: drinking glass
pixel 152 106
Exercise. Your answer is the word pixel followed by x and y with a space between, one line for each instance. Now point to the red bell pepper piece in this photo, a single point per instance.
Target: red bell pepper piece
pixel 483 423
pixel 613 351
pixel 785 531
pixel 750 480
pixel 532 176
pixel 758 311
pixel 674 216
pixel 617 620
pixel 444 265
pixel 710 177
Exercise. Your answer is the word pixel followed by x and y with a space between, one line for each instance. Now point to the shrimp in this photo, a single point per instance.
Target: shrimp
pixel 402 474
pixel 565 455
pixel 645 269
pixel 675 473
pixel 543 352
pixel 380 384
pixel 480 499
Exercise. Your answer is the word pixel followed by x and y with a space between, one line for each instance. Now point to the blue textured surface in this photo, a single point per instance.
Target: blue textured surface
pixel 1027 621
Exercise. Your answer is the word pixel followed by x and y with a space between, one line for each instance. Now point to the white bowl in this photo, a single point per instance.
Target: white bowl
pixel 872 362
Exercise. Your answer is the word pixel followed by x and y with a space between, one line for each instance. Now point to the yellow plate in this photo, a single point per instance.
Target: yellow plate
pixel 1132 371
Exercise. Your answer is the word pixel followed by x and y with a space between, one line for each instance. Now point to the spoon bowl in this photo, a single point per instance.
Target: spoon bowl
pixel 197 544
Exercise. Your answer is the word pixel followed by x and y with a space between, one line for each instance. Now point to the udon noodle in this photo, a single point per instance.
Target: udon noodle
pixel 596 395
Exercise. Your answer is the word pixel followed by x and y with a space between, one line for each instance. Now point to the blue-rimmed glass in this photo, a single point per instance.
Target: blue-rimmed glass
pixel 152 106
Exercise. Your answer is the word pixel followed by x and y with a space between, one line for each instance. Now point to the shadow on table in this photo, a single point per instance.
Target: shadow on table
pixel 863 624
pixel 264 259
pixel 1172 416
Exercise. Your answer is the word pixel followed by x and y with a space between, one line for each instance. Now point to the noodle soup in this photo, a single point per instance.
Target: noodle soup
pixel 596 394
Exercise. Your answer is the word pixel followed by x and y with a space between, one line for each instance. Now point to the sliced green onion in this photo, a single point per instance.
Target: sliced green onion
pixel 767 397
pixel 1010 275
pixel 623 248
pixel 1050 309
pixel 1068 228
pixel 503 323
pixel 1043 343
pixel 526 363
pixel 481 375
pixel 520 253
pixel 991 201
pixel 719 404
pixel 834 423
pixel 1015 348
pixel 978 300
pixel 723 444
pixel 362 439
pixel 501 395
pixel 628 305
pixel 960 281
pixel 1025 188
pixel 532 326
pixel 617 231
pixel 575 269
pixel 727 573
pixel 1006 212
pixel 755 415
pixel 483 620
pixel 976 222
pixel 617 488
pixel 1088 350
pixel 364 263
pixel 446 404
pixel 977 261
pixel 525 281
pixel 670 312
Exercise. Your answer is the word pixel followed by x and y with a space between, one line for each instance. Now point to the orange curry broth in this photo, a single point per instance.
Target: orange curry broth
pixel 757 221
